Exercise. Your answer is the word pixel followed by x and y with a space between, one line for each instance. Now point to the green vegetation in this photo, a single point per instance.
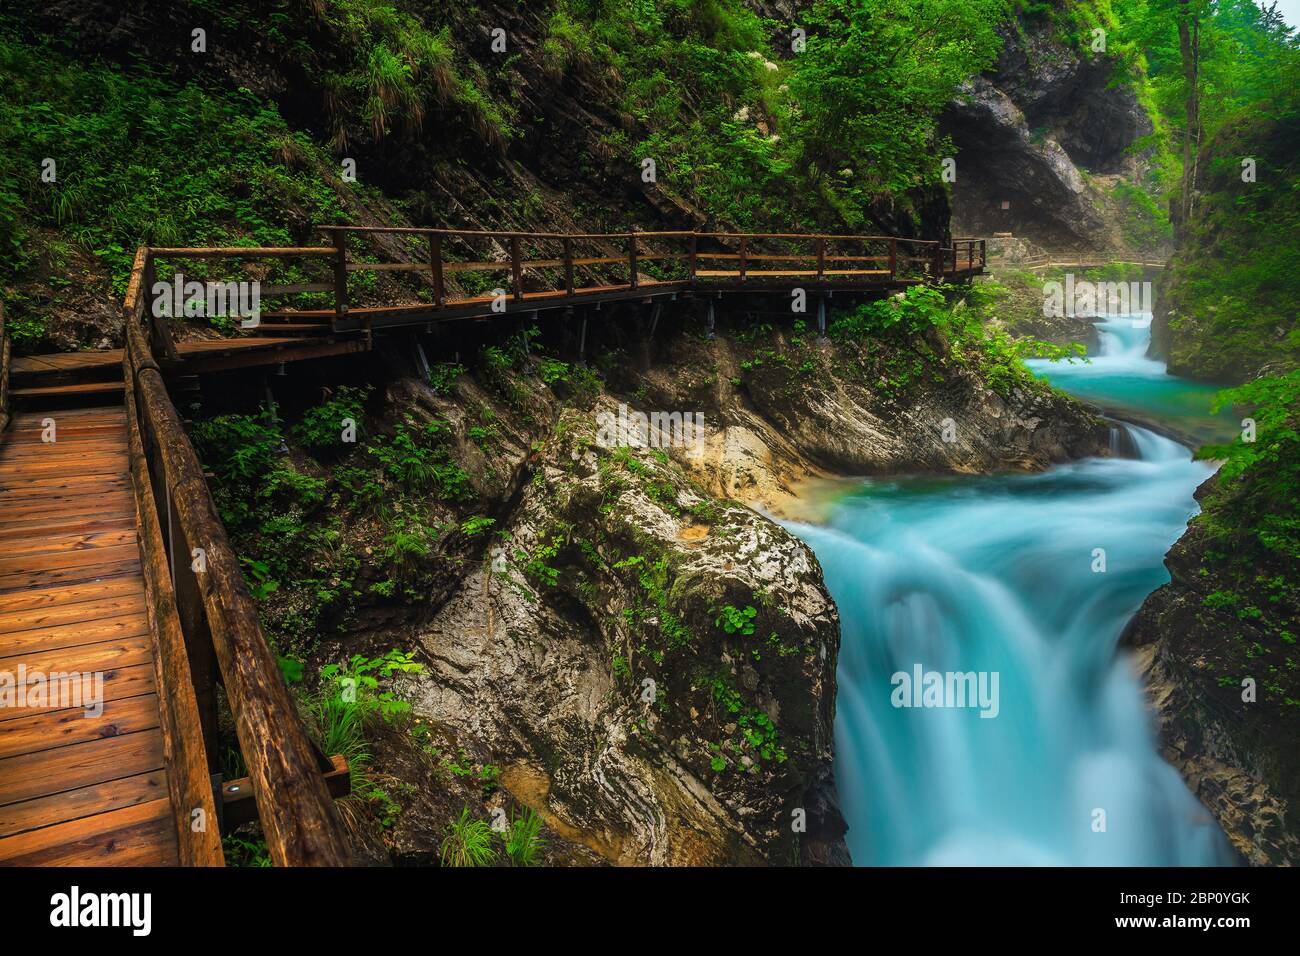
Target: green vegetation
pixel 763 128
pixel 471 842
pixel 351 697
pixel 382 70
pixel 524 838
pixel 916 336
pixel 109 133
pixel 324 429
pixel 1258 495
pixel 468 842
pixel 1145 224
pixel 1234 290
pixel 1251 528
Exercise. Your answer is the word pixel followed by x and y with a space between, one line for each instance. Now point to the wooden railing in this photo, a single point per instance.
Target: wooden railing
pixel 206 627
pixel 6 350
pixel 161 340
pixel 560 267
pixel 522 264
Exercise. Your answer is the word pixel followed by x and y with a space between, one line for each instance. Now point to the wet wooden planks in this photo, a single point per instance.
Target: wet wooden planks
pixel 268 344
pixel 78 785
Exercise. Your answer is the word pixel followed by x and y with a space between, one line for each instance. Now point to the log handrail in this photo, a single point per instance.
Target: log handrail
pixel 5 352
pixel 189 786
pixel 299 820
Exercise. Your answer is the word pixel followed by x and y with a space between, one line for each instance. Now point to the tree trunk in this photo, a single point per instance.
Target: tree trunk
pixel 1189 36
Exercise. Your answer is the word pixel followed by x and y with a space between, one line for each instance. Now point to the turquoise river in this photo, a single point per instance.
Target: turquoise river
pixel 1026 579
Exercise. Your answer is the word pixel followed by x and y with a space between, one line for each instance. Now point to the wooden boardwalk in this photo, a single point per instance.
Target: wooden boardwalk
pixel 77 788
pixel 202 356
pixel 98 526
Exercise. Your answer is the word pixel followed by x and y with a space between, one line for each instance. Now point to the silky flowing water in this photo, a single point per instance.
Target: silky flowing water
pixel 1002 575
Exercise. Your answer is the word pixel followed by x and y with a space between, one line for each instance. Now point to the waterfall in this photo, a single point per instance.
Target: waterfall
pixel 1031 578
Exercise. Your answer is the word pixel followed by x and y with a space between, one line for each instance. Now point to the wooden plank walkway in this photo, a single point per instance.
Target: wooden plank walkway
pixel 197 356
pixel 76 788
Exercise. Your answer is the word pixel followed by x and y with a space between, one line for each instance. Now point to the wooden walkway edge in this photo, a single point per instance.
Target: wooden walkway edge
pixel 83 779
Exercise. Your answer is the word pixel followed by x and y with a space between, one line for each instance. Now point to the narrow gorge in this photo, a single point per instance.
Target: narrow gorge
pixel 863 554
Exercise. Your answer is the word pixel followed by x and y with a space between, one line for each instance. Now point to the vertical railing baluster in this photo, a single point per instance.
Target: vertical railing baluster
pixel 568 265
pixel 631 260
pixel 340 277
pixel 516 269
pixel 435 264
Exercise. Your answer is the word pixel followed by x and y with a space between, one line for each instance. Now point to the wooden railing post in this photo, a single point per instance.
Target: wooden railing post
pixel 744 248
pixel 516 269
pixel 954 255
pixel 821 258
pixel 5 349
pixel 435 264
pixel 693 253
pixel 340 277
pixel 631 260
pixel 568 265
pixel 147 280
pixel 893 258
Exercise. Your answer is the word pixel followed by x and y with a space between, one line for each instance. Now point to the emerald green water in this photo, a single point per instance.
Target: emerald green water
pixel 1122 380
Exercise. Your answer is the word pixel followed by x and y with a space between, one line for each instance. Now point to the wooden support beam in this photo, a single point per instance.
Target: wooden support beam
pixel 239 807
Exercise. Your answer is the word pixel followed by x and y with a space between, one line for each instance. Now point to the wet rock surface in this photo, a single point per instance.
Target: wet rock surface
pixel 1237 755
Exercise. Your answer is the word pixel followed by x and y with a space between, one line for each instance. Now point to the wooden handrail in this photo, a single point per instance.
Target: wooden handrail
pixel 189 786
pixel 643 234
pixel 299 820
pixel 826 250
pixel 6 350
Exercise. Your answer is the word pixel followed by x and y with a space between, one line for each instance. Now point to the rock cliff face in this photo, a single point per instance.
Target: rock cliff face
pixel 791 408
pixel 1040 139
pixel 1237 750
pixel 651 663
pixel 590 657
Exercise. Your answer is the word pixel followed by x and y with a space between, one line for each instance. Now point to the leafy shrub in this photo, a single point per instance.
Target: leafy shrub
pixel 735 621
pixel 351 696
pixel 412 460
pixel 321 428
